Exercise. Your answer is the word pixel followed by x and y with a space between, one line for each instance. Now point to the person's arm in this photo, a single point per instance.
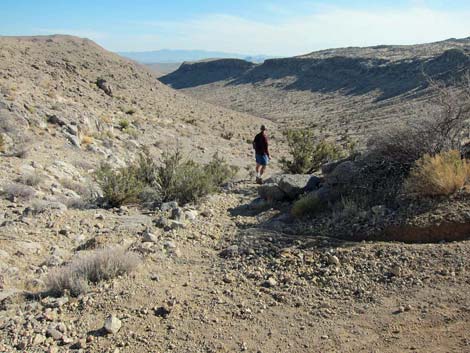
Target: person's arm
pixel 266 147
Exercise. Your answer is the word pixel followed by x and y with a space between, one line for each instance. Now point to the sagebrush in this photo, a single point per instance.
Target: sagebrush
pixel 98 265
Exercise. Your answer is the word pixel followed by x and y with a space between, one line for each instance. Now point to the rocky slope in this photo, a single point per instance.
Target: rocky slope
pixel 71 97
pixel 348 90
pixel 227 275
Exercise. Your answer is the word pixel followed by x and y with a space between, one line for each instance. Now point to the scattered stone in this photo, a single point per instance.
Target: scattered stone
pixel 333 260
pixel 231 251
pixel 270 282
pixel 168 206
pixel 177 214
pixel 148 236
pixel 112 324
pixel 54 333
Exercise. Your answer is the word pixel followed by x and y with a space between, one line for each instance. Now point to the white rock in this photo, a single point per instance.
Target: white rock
pixel 112 324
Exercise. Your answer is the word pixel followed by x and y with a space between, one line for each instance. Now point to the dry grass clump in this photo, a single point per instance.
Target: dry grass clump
pixel 31 178
pixel 87 140
pixel 439 175
pixel 99 265
pixel 18 191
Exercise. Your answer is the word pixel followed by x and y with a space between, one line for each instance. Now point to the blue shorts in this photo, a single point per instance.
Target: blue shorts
pixel 262 159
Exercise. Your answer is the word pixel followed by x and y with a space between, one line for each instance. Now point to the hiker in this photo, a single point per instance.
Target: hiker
pixel 260 145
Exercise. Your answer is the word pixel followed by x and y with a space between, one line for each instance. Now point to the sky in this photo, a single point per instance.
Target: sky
pixel 269 27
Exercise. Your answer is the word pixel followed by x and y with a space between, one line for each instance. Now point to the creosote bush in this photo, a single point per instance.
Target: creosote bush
pixel 99 265
pixel 173 179
pixel 439 175
pixel 307 155
pixel 121 186
pixel 308 205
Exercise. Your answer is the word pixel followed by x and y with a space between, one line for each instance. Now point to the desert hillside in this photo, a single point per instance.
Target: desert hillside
pixel 51 94
pixel 108 243
pixel 351 91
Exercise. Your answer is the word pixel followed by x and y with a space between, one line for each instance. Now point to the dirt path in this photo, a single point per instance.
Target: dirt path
pixel 273 292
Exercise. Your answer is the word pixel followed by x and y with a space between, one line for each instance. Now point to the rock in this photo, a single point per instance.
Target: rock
pixel 112 324
pixel 168 206
pixel 177 214
pixel 147 236
pixel 191 215
pixel 105 86
pixel 162 311
pixel 38 339
pixel 258 204
pixel 313 183
pixel 343 174
pixel 54 333
pixel 54 119
pixel 333 260
pixel 270 282
pixel 169 245
pixel 293 184
pixel 176 224
pixel 271 192
pixel 74 140
pixel 231 251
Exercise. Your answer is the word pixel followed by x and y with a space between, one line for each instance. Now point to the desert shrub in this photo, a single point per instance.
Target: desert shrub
pixel 442 174
pixel 308 205
pixel 31 178
pixel 219 170
pixel 173 179
pixel 187 181
pixel 119 187
pixel 20 191
pixel 442 126
pixel 306 154
pixel 124 124
pixel 99 265
pixel 131 111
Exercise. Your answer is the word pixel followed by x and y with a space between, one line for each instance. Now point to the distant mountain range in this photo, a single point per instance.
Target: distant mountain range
pixel 179 56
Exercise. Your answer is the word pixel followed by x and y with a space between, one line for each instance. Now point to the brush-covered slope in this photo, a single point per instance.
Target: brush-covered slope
pixel 339 89
pixel 64 97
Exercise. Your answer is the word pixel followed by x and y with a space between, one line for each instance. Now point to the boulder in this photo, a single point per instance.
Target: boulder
pixel 271 192
pixel 343 174
pixel 294 184
pixel 105 86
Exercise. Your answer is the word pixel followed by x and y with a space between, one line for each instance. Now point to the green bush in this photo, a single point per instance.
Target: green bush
pixel 124 124
pixel 308 205
pixel 174 179
pixel 307 156
pixel 187 181
pixel 121 186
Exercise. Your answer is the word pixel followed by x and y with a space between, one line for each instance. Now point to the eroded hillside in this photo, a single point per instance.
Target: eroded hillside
pixel 350 91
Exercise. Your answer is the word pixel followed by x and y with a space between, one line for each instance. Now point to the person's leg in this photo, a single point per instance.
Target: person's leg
pixel 258 166
pixel 263 168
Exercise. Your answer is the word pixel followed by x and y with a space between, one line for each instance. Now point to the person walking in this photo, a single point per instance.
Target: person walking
pixel 260 145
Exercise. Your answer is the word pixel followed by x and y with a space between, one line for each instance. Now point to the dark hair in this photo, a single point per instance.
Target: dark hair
pixel 263 127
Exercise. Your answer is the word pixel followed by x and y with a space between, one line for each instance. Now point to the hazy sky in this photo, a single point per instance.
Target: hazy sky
pixel 273 27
